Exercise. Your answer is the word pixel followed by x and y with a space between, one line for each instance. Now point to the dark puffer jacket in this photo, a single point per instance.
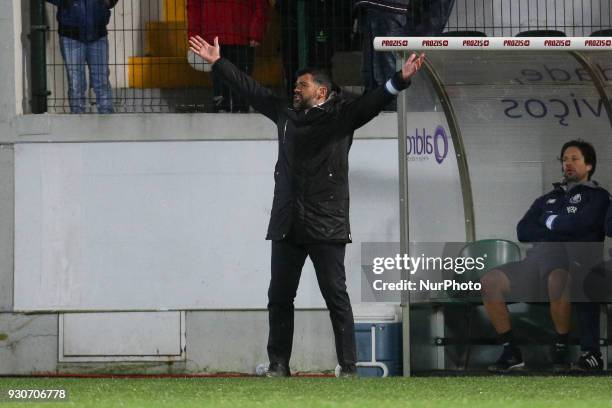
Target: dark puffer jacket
pixel 83 20
pixel 578 215
pixel 311 192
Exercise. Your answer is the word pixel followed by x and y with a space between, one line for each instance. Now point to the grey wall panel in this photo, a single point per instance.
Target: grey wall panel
pixel 28 344
pixel 6 226
pixel 116 226
pixel 10 24
pixel 236 341
pixel 125 336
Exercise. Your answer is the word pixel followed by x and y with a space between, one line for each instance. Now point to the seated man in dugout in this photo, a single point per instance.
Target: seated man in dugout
pixel 573 212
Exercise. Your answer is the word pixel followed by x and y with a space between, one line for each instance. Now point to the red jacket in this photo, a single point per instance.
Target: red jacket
pixel 236 22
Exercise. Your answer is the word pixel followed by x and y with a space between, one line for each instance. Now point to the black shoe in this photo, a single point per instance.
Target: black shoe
pixel 220 105
pixel 559 358
pixel 510 360
pixel 277 370
pixel 349 371
pixel 589 361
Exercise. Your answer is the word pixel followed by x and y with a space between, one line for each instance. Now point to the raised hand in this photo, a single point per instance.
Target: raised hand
pixel 412 65
pixel 209 53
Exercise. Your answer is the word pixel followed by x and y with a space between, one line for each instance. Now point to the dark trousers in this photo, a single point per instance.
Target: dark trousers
pixel 588 322
pixel 378 67
pixel 224 100
pixel 287 261
pixel 428 17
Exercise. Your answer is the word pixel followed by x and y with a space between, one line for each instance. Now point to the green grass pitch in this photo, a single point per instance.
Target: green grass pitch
pixel 431 392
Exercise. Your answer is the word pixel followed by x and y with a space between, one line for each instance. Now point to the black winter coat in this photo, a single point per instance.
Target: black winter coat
pixel 580 213
pixel 311 192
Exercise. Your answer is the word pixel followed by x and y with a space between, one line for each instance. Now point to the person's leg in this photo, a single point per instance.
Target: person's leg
pixel 73 52
pixel 328 260
pixel 367 56
pixel 589 274
pixel 245 57
pixel 99 72
pixel 440 11
pixel 588 320
pixel 287 262
pixel 385 25
pixel 560 306
pixel 428 17
pixel 496 285
pixel 221 93
pixel 561 315
pixel 289 43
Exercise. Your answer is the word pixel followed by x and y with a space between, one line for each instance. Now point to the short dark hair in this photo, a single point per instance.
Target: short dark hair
pixel 587 150
pixel 319 76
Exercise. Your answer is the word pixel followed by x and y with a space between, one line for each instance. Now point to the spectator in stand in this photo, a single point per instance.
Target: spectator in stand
pixel 427 18
pixel 395 18
pixel 240 26
pixel 84 42
pixel 318 26
pixel 379 19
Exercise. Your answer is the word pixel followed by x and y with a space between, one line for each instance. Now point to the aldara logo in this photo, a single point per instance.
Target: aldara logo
pixel 424 144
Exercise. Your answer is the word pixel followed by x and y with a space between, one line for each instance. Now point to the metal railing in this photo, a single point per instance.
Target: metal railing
pixel 149 70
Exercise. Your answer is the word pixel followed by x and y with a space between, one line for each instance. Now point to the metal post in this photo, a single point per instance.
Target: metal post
pixel 38 30
pixel 598 81
pixel 402 104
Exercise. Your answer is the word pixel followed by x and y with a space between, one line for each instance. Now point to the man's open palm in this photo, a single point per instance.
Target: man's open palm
pixel 412 65
pixel 209 53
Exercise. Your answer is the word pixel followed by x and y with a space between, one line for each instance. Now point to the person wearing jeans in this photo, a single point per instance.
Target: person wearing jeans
pixel 84 42
pixel 76 56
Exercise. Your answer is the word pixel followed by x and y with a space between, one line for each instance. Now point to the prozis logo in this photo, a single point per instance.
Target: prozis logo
pixel 422 145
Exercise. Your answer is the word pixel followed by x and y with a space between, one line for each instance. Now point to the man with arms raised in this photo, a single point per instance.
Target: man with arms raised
pixel 310 210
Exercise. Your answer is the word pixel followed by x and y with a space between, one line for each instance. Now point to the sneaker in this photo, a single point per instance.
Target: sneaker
pixel 277 370
pixel 349 371
pixel 559 358
pixel 589 361
pixel 510 360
